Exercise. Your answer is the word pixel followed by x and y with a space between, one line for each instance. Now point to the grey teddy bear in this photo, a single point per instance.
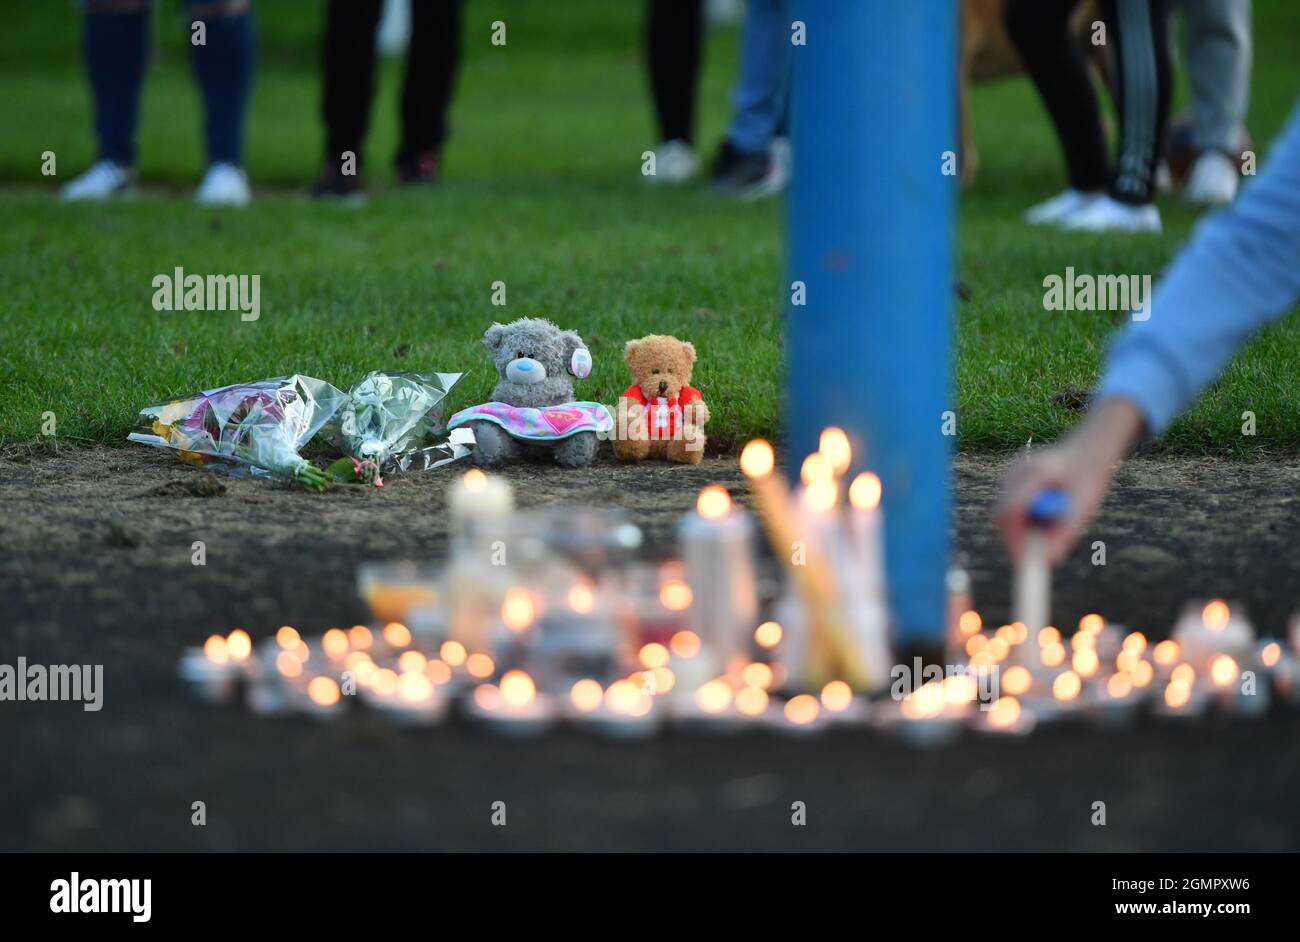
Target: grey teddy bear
pixel 536 362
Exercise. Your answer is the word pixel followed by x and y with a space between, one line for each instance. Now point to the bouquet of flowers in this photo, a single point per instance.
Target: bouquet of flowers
pixel 259 426
pixel 392 420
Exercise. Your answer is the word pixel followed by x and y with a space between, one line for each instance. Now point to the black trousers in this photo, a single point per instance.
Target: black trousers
pixel 431 64
pixel 674 36
pixel 1138 31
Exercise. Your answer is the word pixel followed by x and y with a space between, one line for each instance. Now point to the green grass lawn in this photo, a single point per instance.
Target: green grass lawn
pixel 541 192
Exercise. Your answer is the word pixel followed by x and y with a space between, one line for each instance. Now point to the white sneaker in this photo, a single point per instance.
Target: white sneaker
pixel 1050 212
pixel 675 162
pixel 102 181
pixel 223 185
pixel 1164 177
pixel 782 157
pixel 1213 180
pixel 1105 214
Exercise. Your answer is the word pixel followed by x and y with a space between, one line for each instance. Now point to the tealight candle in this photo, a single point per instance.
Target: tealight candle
pixel 323 698
pixel 711 709
pixel 1113 702
pixel 335 644
pixel 624 711
pixel 923 718
pixel 801 714
pixel 213 671
pixel 1006 716
pixel 515 708
pixel 1182 698
pixel 1203 632
pixel 414 701
pixel 690 669
pixel 839 705
pixel 1232 693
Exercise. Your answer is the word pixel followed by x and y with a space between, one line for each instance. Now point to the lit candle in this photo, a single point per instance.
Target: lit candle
pixel 322 699
pixel 1182 697
pixel 213 671
pixel 1277 666
pixel 1231 692
pixel 830 642
pixel 1205 631
pixel 281 662
pixel 841 706
pixel 717 549
pixel 801 715
pixel 515 708
pixel 867 523
pixel 861 571
pixel 481 520
pixel 1006 716
pixel 1033 578
pixel 477 498
pixel 626 710
pixel 725 704
pixel 1113 702
pixel 414 701
pixel 924 719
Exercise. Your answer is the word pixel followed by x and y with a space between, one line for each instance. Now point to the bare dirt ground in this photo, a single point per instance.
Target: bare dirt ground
pixel 95 567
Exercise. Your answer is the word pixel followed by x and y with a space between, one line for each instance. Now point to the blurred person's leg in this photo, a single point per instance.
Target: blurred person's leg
pixel 1040 30
pixel 1219 50
pixel 674 38
pixel 116 47
pixel 432 61
pixel 223 63
pixel 1140 32
pixel 349 67
pixel 745 163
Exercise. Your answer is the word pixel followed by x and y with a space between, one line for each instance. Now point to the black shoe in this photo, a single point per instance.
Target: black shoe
pixel 334 184
pixel 738 172
pixel 422 168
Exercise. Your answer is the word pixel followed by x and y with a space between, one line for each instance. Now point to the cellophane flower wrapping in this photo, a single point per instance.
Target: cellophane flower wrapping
pixel 258 426
pixel 394 419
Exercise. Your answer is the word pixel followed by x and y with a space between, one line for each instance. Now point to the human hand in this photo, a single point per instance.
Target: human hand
pixel 1081 466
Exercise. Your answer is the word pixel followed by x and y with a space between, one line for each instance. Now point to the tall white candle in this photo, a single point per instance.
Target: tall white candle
pixel 717 549
pixel 867 527
pixel 477 497
pixel 1033 582
pixel 862 573
pixel 1033 578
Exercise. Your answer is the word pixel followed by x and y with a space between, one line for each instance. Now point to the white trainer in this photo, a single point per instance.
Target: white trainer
pixel 675 162
pixel 224 185
pixel 1050 212
pixel 1105 214
pixel 102 181
pixel 1213 180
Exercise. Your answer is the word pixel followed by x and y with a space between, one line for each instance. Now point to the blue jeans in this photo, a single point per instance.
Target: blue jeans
pixel 760 95
pixel 117 52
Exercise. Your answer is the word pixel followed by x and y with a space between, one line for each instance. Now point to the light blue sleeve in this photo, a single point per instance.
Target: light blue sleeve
pixel 1239 270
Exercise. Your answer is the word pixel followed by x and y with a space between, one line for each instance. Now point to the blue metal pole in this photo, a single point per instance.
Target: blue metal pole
pixel 870 225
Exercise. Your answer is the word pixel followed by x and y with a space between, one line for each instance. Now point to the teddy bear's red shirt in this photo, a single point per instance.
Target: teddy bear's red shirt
pixel 662 413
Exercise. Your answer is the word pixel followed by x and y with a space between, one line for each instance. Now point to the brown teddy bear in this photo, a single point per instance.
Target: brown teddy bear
pixel 660 415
